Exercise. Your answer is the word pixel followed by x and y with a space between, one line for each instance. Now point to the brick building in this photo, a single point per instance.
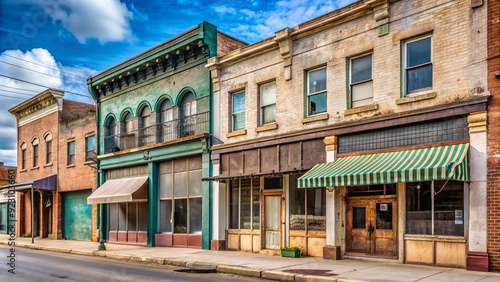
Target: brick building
pixel 154 125
pixel 7 176
pixel 369 93
pixel 494 134
pixel 56 142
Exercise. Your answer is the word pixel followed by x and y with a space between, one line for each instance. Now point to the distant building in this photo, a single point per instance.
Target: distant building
pixel 56 158
pixel 154 120
pixel 379 110
pixel 7 176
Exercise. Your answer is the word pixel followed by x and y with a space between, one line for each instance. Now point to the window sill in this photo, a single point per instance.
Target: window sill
pixel 439 238
pixel 35 168
pixel 361 109
pixel 416 98
pixel 70 165
pixel 266 127
pixel 236 133
pixel 23 170
pixel 89 162
pixel 314 118
pixel 49 164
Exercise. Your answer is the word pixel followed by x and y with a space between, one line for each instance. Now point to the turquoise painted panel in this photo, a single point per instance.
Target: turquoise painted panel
pixel 76 215
pixel 3 218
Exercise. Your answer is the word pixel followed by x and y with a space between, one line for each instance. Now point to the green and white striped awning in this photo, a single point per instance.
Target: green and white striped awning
pixel 434 163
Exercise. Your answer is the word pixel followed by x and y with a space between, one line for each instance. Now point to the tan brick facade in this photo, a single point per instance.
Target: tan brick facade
pixel 494 134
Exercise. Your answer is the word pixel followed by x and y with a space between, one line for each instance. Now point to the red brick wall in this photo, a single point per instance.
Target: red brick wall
pixel 494 135
pixel 226 44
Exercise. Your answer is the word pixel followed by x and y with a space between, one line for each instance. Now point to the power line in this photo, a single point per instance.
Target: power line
pixel 75 81
pixel 18 88
pixel 43 65
pixel 14 97
pixel 74 93
pixel 31 95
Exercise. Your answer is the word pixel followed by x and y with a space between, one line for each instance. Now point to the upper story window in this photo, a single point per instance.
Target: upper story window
pixel 23 155
pixel 361 83
pixel 238 110
pixel 110 128
pixel 89 147
pixel 166 111
pixel 188 105
pixel 268 103
pixel 127 125
pixel 316 91
pixel 417 64
pixel 48 148
pixel 145 115
pixel 71 153
pixel 35 143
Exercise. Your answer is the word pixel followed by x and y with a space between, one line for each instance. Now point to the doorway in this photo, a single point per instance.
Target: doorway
pixel 372 226
pixel 273 213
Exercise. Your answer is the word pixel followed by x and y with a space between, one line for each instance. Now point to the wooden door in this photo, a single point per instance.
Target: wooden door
pixel 272 221
pixel 372 226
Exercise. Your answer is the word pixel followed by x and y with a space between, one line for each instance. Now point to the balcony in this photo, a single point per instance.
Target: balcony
pixel 158 133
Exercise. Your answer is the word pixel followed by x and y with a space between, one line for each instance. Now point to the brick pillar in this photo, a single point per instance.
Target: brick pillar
pixel 493 188
pixel 477 256
pixel 332 250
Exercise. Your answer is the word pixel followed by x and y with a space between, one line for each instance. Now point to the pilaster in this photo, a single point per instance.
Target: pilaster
pixel 332 250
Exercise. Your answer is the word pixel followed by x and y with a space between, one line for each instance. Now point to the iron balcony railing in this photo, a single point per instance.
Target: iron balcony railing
pixel 160 132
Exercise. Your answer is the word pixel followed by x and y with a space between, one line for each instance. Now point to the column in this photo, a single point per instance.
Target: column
pixel 477 256
pixel 218 241
pixel 332 248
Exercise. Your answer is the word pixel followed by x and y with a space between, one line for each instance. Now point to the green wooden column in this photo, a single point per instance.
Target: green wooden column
pixel 206 200
pixel 154 177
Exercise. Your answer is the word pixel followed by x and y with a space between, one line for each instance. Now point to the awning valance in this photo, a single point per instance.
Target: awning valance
pixel 44 183
pixel 434 163
pixel 120 190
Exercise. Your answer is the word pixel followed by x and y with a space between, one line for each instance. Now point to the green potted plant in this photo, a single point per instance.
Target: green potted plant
pixel 292 252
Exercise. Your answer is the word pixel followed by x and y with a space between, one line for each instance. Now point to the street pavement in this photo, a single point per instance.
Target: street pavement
pixel 261 266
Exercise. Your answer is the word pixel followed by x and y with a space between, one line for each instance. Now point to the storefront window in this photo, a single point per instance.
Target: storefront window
pixel 166 216
pixel 195 215
pixel 244 206
pixel 447 213
pixel 307 207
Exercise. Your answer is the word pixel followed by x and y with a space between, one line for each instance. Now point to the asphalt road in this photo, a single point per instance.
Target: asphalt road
pixel 36 265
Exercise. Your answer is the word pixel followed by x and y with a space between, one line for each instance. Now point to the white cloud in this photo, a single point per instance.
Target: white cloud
pixel 225 10
pixel 104 20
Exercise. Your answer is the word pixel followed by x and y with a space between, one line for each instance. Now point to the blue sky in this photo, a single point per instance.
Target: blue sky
pixel 59 43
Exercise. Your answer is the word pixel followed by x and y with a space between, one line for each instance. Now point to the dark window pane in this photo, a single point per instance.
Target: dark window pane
pixel 166 216
pixel 418 208
pixel 122 216
pixel 449 208
pixel 113 217
pixel 180 216
pixel 361 69
pixel 256 204
pixel 195 215
pixel 316 209
pixel 297 206
pixel 359 217
pixel 245 213
pixel 143 216
pixel 132 216
pixel 317 103
pixel 418 52
pixel 384 216
pixel 419 78
pixel 234 204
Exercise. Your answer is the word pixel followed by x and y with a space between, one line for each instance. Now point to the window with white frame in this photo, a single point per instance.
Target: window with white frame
pixel 23 155
pixel 268 103
pixel 417 64
pixel 238 110
pixel 48 148
pixel 361 83
pixel 316 91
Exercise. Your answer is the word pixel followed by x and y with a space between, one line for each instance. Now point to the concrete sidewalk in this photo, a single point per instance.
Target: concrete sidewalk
pixel 262 266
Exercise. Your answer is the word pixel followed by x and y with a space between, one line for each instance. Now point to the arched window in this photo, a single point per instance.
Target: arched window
pixel 145 114
pixel 127 125
pixel 188 105
pixel 48 147
pixel 23 147
pixel 166 111
pixel 35 143
pixel 110 138
pixel 110 129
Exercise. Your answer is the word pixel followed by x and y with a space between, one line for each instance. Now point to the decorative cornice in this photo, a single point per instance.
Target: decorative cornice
pixel 37 103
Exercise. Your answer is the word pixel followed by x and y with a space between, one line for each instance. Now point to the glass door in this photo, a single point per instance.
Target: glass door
pixel 272 221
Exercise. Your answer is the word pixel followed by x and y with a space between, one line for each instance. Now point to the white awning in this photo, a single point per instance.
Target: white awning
pixel 121 190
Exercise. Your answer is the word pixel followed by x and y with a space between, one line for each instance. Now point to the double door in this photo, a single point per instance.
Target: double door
pixel 372 226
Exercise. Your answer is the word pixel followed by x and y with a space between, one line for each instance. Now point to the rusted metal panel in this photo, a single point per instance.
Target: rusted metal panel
pixel 313 152
pixel 236 163
pixel 251 163
pixel 269 159
pixel 290 157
